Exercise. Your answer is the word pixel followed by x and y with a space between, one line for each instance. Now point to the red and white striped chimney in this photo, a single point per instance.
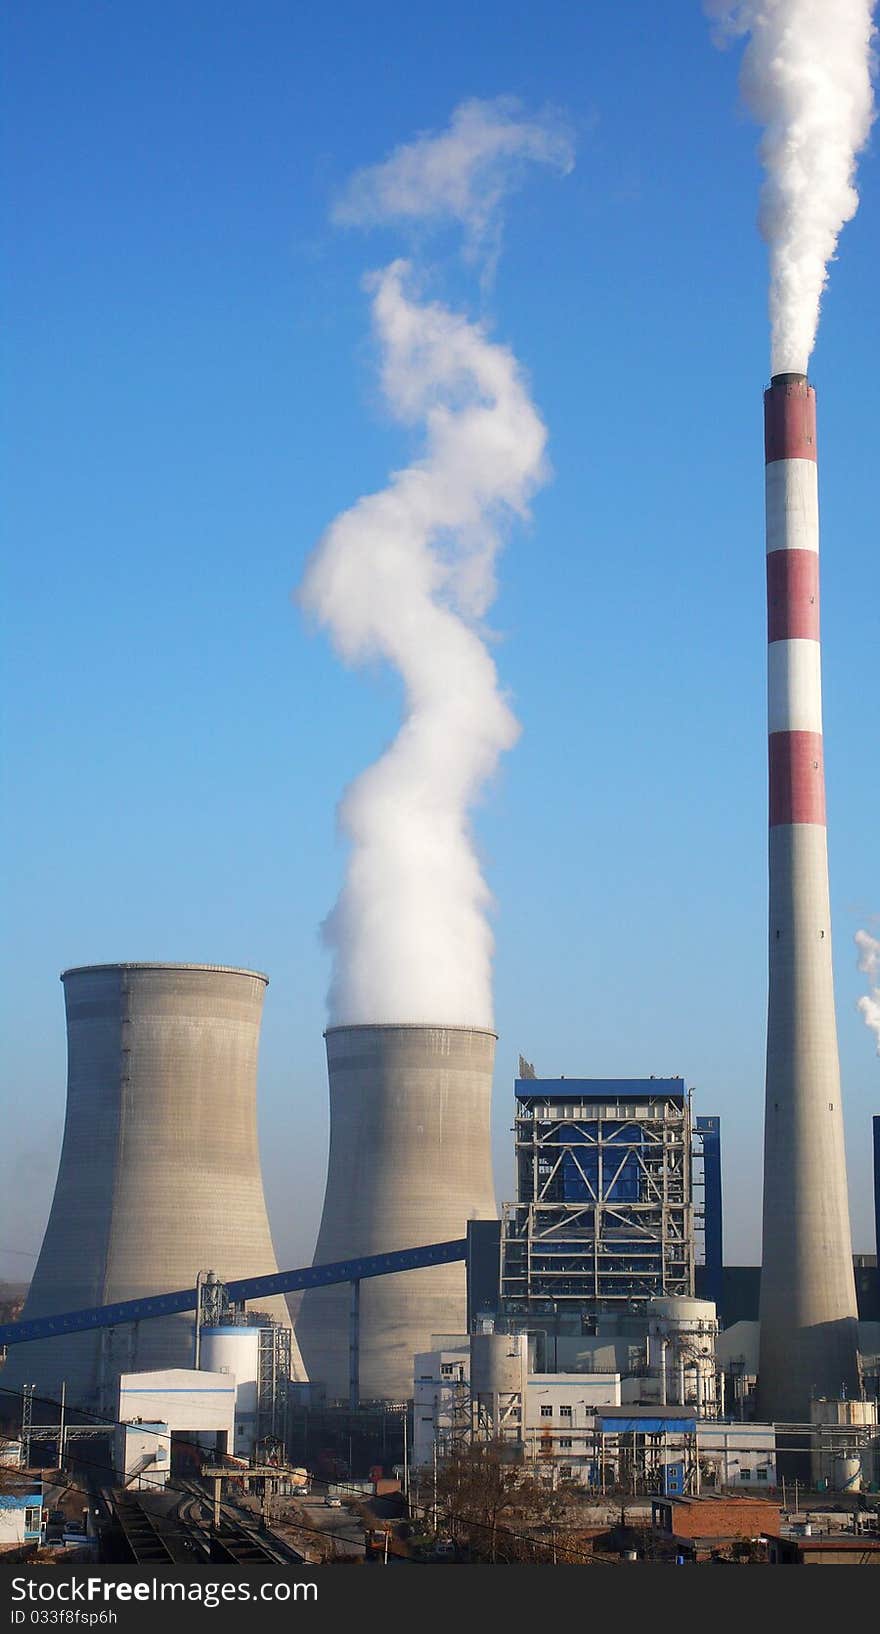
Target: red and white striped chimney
pixel 809 1333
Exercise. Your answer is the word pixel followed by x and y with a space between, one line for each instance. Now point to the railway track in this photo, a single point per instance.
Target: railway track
pixel 153 1538
pixel 183 1535
pixel 239 1541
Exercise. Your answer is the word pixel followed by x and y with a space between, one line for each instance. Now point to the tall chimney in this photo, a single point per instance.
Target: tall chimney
pixel 809 1333
pixel 410 1164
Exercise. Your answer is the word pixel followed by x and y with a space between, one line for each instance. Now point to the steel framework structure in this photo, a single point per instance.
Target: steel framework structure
pixel 605 1194
pixel 273 1384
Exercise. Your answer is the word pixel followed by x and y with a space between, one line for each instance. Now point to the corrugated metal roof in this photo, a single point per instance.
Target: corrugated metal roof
pixel 646 1426
pixel 612 1089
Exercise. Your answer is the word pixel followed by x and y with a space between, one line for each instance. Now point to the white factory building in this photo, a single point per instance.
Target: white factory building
pixel 576 1426
pixel 219 1399
pixel 142 1454
pixel 152 1406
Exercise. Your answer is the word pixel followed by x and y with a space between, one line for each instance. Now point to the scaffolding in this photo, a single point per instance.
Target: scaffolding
pixel 273 1384
pixel 605 1195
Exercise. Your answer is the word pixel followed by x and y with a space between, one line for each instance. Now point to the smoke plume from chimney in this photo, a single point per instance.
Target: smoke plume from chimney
pixel 806 77
pixel 406 574
pixel 869 963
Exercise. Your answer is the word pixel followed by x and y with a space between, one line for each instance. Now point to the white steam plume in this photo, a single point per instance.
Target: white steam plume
pixel 397 576
pixel 806 77
pixel 461 175
pixel 869 963
pixel 404 575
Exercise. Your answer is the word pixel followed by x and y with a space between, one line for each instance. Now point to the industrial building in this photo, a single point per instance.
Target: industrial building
pixel 585 1427
pixel 569 1329
pixel 697 1528
pixel 142 1454
pixel 21 1514
pixel 607 1206
pixel 234 1401
pixel 159 1175
pixel 410 1163
pixel 845 1444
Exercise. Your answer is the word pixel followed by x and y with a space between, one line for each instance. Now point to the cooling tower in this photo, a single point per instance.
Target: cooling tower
pixel 410 1163
pixel 808 1306
pixel 160 1170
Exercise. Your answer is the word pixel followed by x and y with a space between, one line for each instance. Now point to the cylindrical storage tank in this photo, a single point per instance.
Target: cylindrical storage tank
pixel 410 1163
pixel 236 1351
pixel 847 1473
pixel 683 1312
pixel 498 1363
pixel 159 1175
pixel 498 1383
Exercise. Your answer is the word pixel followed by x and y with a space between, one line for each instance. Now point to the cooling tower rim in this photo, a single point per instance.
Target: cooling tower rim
pixel 214 970
pixel 407 1027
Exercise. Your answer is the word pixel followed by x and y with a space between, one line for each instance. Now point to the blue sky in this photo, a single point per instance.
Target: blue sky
pixel 193 399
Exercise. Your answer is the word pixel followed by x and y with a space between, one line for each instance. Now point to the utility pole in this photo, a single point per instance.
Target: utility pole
pixel 197 1331
pixel 354 1347
pixel 405 1458
pixel 61 1426
pixel 27 1407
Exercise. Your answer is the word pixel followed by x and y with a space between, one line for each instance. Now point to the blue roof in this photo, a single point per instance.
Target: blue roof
pixel 646 1426
pixel 20 1500
pixel 591 1089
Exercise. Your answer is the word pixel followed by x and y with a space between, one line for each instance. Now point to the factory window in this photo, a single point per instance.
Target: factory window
pixel 546 1412
pixel 565 1442
pixel 761 1473
pixel 447 1369
pixel 565 1412
pixel 745 1475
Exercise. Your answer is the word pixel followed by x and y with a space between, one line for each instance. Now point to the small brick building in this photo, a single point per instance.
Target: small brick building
pixel 830 1551
pixel 698 1526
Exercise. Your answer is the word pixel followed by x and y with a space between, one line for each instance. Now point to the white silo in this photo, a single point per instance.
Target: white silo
pixel 236 1351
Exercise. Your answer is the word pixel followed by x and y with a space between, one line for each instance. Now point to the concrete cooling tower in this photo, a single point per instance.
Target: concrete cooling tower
pixel 410 1163
pixel 809 1329
pixel 160 1169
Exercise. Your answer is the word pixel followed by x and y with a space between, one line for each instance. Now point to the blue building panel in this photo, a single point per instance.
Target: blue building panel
pixel 580 1175
pixel 620 1425
pixel 613 1090
pixel 709 1131
pixel 32 1504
